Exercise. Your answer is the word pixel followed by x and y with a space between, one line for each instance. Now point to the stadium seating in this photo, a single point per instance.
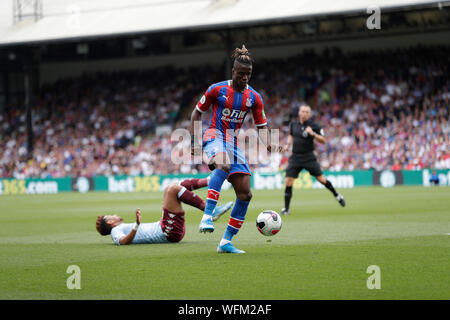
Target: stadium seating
pixel 380 110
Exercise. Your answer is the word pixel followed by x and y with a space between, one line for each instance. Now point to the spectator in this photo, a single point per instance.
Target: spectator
pixel 434 179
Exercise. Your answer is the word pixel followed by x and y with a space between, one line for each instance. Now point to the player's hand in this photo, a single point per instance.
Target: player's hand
pixel 309 131
pixel 286 148
pixel 138 216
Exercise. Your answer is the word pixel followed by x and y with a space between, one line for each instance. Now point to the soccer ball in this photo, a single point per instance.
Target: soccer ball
pixel 268 222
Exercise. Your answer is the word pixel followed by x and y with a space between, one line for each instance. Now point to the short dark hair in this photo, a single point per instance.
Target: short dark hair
pixel 102 227
pixel 242 55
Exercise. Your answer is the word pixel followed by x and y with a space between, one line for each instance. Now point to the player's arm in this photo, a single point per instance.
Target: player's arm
pixel 202 106
pixel 129 237
pixel 259 117
pixel 290 141
pixel 288 145
pixel 317 137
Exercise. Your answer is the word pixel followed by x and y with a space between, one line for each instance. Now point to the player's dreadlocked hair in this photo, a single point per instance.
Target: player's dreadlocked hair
pixel 102 227
pixel 242 56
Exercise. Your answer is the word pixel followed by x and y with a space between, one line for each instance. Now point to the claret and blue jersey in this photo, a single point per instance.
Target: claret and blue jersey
pixel 230 108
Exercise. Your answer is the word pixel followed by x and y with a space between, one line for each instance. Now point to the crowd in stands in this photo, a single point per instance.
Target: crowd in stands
pixel 379 110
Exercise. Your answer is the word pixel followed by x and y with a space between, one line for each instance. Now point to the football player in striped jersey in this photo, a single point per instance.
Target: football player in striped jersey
pixel 230 101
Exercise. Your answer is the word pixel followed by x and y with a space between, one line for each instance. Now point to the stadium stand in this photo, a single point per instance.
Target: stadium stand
pixel 66 19
pixel 380 110
pixel 385 107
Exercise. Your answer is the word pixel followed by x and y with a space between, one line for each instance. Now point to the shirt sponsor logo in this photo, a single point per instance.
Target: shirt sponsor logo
pixel 233 115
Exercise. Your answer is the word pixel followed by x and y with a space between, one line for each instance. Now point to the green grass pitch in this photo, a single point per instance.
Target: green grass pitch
pixel 322 252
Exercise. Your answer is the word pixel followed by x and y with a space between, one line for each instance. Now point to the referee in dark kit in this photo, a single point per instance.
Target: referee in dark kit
pixel 302 135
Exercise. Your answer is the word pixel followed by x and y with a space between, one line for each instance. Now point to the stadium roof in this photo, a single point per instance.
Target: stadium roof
pixel 78 19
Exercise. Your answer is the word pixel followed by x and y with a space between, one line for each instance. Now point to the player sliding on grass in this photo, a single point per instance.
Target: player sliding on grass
pixel 170 228
pixel 231 100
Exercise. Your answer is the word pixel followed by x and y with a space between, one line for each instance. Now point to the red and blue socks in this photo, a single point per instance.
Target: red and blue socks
pixel 237 218
pixel 214 186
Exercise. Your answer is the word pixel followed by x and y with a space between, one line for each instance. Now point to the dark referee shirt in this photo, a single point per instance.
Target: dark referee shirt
pixel 303 143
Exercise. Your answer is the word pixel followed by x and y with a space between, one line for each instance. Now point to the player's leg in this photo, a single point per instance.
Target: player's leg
pixel 317 173
pixel 172 201
pixel 172 222
pixel 194 184
pixel 188 197
pixel 291 174
pixel 174 194
pixel 289 182
pixel 220 163
pixel 241 185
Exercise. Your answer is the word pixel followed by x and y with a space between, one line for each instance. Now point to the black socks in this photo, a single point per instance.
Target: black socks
pixel 288 193
pixel 287 197
pixel 330 187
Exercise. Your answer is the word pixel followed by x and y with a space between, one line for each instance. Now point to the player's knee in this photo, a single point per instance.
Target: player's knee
pixel 245 196
pixel 225 167
pixel 221 162
pixel 289 182
pixel 172 189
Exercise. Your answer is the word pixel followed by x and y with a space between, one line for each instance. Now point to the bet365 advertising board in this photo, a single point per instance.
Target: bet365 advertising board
pixel 270 180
